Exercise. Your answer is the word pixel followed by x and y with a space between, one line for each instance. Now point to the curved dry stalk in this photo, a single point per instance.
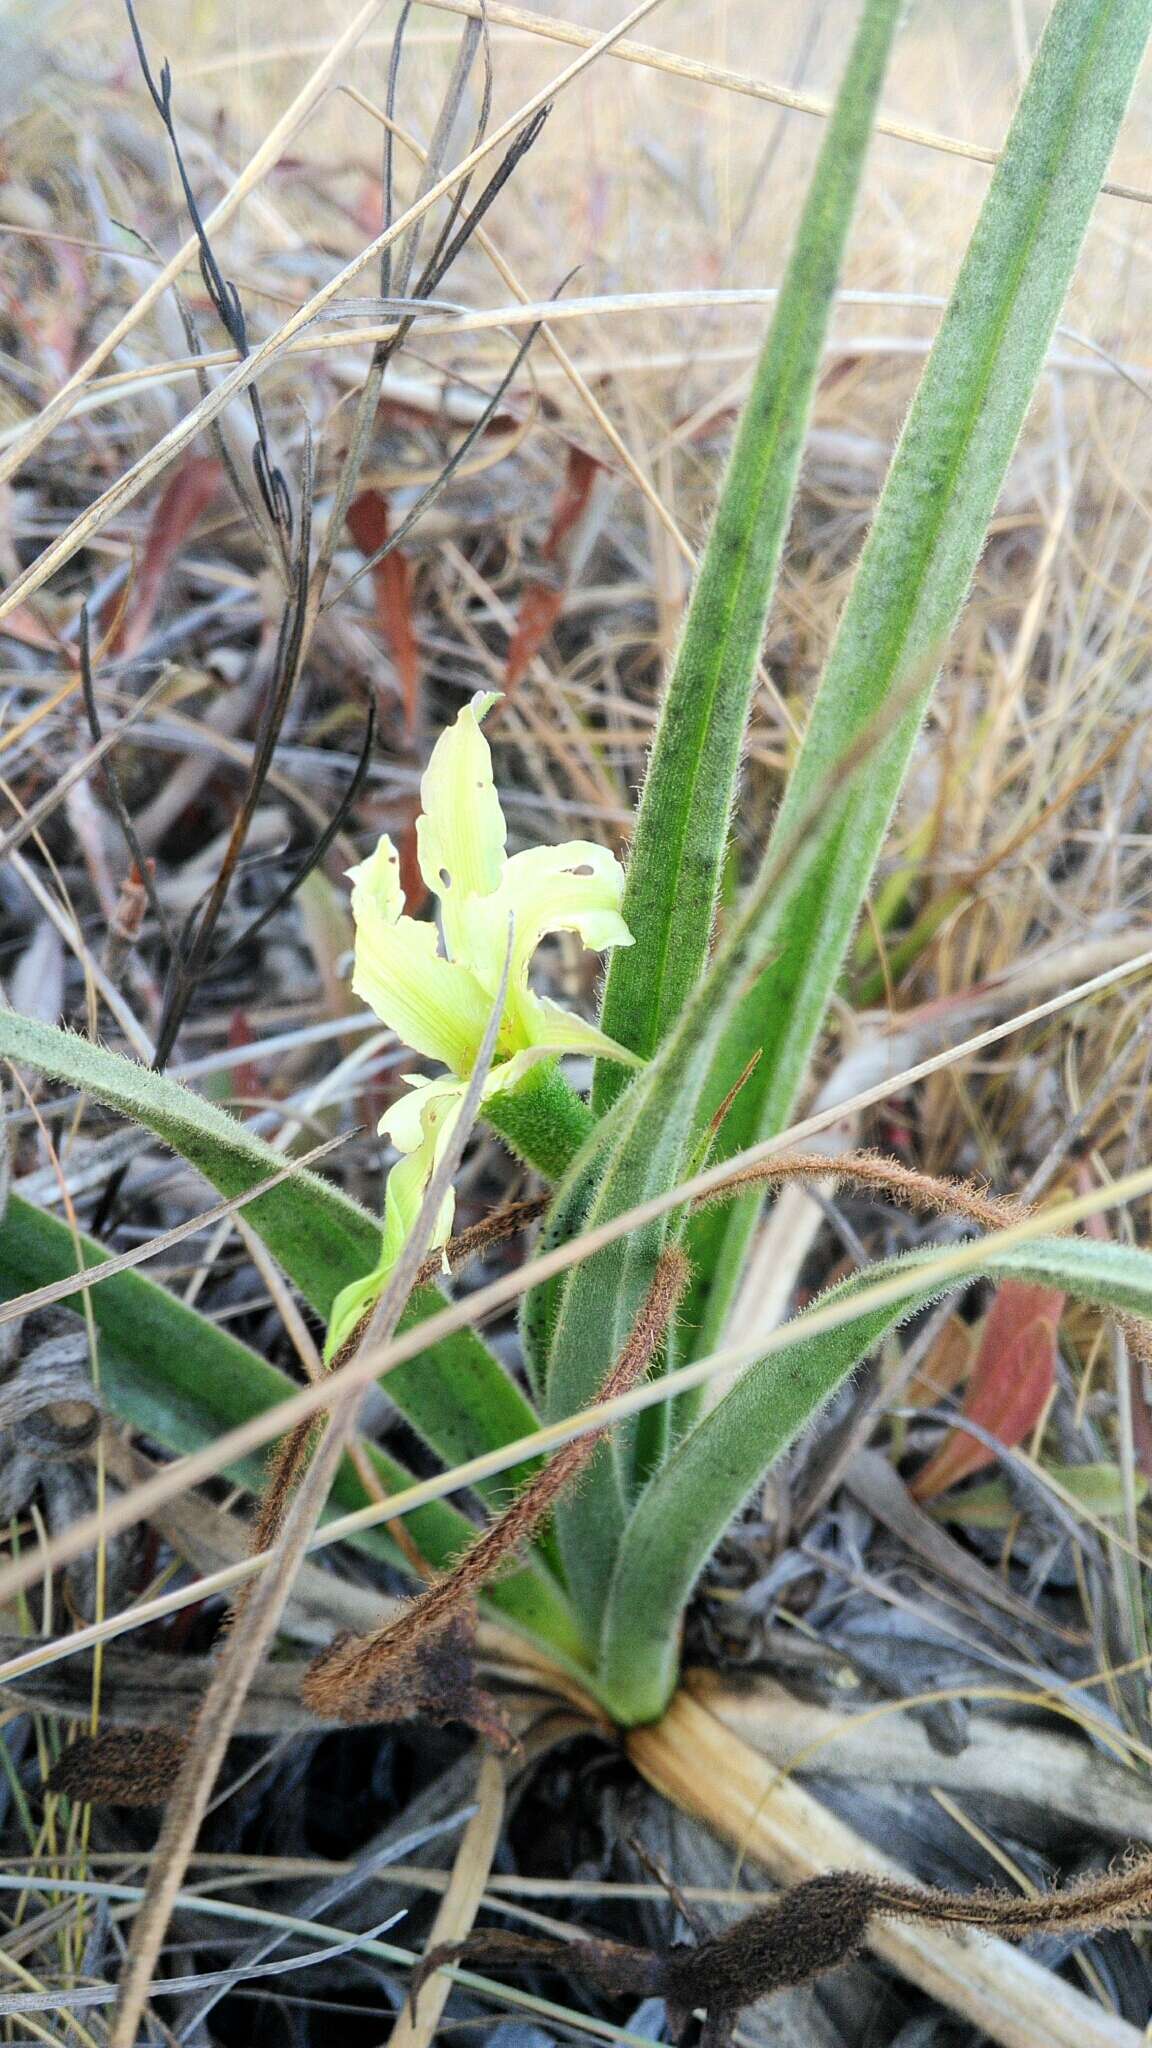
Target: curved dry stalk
pixel 344 1679
pixel 262 161
pixel 285 1471
pixel 482 1237
pixel 701 73
pixel 800 1935
pixel 873 1170
pixel 140 473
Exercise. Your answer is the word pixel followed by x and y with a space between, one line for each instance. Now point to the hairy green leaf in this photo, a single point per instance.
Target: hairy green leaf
pixel 685 1510
pixel 458 1395
pixel 171 1372
pixel 925 541
pixel 682 825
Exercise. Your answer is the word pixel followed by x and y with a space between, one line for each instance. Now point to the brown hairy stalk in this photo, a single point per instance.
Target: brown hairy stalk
pixel 284 1470
pixel 297 1447
pixel 480 1237
pixel 119 1767
pixel 294 1454
pixel 873 1170
pixel 798 1936
pixel 348 1674
pixel 1137 1335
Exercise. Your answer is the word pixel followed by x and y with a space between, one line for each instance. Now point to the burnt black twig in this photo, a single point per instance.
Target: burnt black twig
pixel 475 32
pixel 384 351
pixel 441 262
pixel 316 852
pixel 439 483
pixel 187 964
pixel 223 294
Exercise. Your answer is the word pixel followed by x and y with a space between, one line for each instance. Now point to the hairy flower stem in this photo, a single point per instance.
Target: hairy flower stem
pixel 344 1677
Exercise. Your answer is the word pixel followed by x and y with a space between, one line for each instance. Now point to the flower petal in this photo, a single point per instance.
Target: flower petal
pixel 377 891
pixel 576 887
pixel 546 1026
pixel 460 837
pixel 433 1004
pixel 437 1105
pixel 404 1122
pixel 407 1181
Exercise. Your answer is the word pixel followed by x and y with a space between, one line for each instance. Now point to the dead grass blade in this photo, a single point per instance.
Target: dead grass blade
pixel 128 487
pixel 123 1262
pixel 253 1629
pixel 416 2026
pixel 263 159
pixel 719 75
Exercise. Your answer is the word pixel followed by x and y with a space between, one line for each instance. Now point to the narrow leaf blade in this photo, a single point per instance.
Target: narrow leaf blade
pixel 691 1501
pixel 924 544
pixel 174 1374
pixel 682 826
pixel 458 1396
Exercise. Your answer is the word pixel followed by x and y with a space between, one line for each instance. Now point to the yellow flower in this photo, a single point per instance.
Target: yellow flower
pixel 439 1002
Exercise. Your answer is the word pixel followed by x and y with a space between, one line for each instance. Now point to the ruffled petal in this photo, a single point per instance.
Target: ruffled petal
pixel 403 1122
pixel 350 1305
pixel 544 1026
pixel 576 887
pixel 405 1191
pixel 432 1004
pixel 460 837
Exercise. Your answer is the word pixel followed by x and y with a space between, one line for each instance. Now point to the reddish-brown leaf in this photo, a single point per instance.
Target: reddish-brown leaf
pixel 544 597
pixel 183 502
pixel 1010 1385
pixel 245 1078
pixel 947 1366
pixel 412 881
pixel 22 624
pixel 370 526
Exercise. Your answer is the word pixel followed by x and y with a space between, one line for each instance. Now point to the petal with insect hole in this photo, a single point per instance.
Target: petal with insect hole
pixel 576 887
pixel 460 836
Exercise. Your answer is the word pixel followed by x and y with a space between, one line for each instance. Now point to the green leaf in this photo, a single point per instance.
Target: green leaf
pixel 918 561
pixel 788 944
pixel 642 1147
pixel 682 826
pixel 175 1375
pixel 543 1121
pixel 687 1507
pixel 458 1395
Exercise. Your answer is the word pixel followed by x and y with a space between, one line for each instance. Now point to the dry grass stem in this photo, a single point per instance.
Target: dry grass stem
pixel 345 1679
